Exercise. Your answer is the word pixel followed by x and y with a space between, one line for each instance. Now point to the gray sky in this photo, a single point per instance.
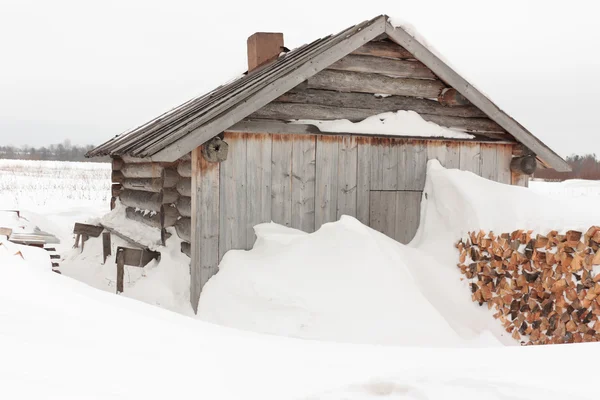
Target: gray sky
pixel 88 70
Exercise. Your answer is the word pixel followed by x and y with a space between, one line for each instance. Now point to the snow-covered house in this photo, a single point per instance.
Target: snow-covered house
pixel 343 125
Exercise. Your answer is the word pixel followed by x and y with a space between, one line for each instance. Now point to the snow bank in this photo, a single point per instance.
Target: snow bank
pixel 62 339
pixel 399 123
pixel 345 282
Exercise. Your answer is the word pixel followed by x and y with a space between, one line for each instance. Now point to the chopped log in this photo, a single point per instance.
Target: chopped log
pixel 184 206
pixel 379 104
pixel 344 81
pixel 184 187
pixel 170 195
pixel 183 228
pixel 452 98
pixel 152 219
pixel 117 177
pixel 186 249
pixel 186 157
pixel 146 170
pixel 117 163
pixel 145 184
pixel 142 200
pixel 184 169
pixel 168 215
pixel 383 48
pixel 116 189
pixel 385 66
pixel 215 150
pixel 524 165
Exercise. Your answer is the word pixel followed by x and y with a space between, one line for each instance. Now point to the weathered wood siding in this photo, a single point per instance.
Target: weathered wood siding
pixel 305 181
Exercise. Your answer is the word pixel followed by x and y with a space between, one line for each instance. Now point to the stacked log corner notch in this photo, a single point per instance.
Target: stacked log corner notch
pixel 156 194
pixel 544 289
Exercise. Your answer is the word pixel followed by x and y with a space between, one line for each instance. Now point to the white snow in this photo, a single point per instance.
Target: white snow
pixel 60 338
pixel 345 282
pixel 399 123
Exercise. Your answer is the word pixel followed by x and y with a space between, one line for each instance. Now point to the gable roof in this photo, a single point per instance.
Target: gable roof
pixel 177 132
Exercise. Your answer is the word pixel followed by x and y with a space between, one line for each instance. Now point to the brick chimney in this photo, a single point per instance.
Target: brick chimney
pixel 263 47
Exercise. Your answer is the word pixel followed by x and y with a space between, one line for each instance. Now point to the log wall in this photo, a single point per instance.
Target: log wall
pixel 352 89
pixel 156 194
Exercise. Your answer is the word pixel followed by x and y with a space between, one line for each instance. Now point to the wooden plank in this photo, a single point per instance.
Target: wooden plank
pixel 503 157
pixel 408 210
pixel 447 153
pixel 489 162
pixel 519 180
pixel 136 257
pixel 326 182
pixel 363 179
pixel 412 160
pixel 376 166
pixel 120 269
pixel 148 170
pixel 232 109
pixel 470 157
pixel 344 81
pixel 383 210
pixel 383 48
pixel 87 229
pixel 447 74
pixel 388 159
pixel 205 222
pixel 385 66
pixel 347 177
pixel 258 176
pixel 233 232
pixel 281 180
pixel 380 104
pixel 303 182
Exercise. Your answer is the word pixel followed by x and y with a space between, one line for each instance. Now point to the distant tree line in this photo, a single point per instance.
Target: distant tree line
pixel 583 167
pixel 64 151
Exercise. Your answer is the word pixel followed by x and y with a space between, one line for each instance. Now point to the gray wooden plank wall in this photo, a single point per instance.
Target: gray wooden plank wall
pixel 305 181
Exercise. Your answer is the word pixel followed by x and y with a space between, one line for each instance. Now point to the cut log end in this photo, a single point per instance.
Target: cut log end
pixel 524 165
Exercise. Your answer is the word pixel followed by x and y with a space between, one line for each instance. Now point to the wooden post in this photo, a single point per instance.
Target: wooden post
pixel 120 269
pixel 84 238
pixel 76 245
pixel 106 250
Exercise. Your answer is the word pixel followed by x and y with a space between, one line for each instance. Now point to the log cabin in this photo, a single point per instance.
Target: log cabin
pixel 254 150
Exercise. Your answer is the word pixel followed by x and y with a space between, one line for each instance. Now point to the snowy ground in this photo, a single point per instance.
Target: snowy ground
pixel 61 338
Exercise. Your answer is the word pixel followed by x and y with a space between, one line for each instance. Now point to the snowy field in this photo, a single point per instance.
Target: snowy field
pixel 385 320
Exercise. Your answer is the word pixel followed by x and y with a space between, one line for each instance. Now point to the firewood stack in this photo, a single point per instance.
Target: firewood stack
pixel 543 288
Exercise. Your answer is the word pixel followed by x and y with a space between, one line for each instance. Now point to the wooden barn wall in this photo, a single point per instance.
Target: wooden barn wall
pixel 305 181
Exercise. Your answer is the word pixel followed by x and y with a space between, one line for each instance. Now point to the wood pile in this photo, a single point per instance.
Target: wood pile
pixel 543 288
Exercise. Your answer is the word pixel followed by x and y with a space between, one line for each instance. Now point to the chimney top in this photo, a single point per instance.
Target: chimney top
pixel 263 47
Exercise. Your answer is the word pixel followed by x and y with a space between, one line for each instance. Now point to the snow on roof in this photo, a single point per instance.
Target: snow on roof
pixel 399 123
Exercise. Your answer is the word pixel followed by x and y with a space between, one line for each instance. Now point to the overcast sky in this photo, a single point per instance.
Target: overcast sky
pixel 88 70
